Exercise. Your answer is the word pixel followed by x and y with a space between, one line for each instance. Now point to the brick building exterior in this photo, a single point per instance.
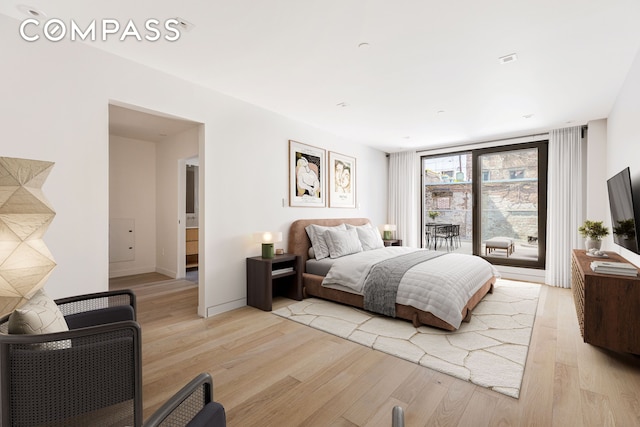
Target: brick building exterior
pixel 509 188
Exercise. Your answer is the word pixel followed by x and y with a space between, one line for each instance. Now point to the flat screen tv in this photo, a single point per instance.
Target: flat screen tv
pixel 624 212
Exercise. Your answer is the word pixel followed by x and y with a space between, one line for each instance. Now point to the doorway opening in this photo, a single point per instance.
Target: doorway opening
pixel 147 192
pixel 192 218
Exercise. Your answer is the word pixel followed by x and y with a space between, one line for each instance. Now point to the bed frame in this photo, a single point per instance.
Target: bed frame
pixel 299 243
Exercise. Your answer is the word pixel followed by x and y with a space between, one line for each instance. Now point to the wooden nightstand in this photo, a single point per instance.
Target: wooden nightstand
pixel 392 242
pixel 281 275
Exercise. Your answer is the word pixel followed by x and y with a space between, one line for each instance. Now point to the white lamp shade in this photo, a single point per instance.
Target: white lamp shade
pixel 267 237
pixel 389 227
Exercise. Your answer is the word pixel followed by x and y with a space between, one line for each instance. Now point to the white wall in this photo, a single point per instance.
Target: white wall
pixel 596 196
pixel 132 194
pixel 54 106
pixel 623 141
pixel 171 204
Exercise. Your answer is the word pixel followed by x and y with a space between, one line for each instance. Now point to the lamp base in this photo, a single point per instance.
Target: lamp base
pixel 267 250
pixel 387 235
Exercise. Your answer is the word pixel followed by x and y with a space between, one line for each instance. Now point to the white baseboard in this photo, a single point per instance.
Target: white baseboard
pixel 524 274
pixel 170 273
pixel 130 272
pixel 228 306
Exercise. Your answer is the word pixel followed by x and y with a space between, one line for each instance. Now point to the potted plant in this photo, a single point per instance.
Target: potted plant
pixel 433 215
pixel 593 232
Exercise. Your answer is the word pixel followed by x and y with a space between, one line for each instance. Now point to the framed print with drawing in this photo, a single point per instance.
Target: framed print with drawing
pixel 342 181
pixel 306 175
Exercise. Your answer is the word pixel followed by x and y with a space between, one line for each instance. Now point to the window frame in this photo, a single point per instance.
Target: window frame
pixel 543 155
pixel 478 176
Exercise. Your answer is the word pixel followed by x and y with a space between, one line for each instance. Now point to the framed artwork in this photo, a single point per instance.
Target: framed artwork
pixel 306 175
pixel 342 181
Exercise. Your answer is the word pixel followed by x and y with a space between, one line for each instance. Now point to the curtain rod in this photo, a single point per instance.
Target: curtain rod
pixel 532 137
pixel 468 144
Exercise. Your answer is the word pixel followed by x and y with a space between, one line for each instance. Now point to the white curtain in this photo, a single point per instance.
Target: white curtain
pixel 403 196
pixel 564 203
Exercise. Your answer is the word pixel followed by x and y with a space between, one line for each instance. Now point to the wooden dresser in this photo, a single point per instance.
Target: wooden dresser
pixel 608 306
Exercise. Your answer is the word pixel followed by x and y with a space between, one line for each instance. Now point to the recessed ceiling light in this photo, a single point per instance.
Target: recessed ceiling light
pixel 528 116
pixel 406 137
pixel 363 45
pixel 32 12
pixel 186 25
pixel 512 57
pixel 342 104
pixel 440 111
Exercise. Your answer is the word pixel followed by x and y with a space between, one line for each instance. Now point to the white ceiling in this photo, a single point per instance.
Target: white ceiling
pixel 429 76
pixel 131 123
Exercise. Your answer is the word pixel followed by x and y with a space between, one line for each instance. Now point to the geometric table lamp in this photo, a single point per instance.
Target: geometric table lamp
pixel 25 215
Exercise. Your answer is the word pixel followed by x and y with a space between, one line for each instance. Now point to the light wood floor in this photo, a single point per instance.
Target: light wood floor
pixel 270 371
pixel 151 285
pixel 136 280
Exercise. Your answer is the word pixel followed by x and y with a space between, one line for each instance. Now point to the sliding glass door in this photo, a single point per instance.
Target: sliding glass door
pixel 448 201
pixel 511 209
pixel 494 199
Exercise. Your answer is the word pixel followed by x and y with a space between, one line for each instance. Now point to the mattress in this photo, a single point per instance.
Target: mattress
pixel 319 267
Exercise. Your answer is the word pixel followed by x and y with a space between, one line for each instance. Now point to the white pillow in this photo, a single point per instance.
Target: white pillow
pixel 39 315
pixel 315 233
pixel 369 236
pixel 342 242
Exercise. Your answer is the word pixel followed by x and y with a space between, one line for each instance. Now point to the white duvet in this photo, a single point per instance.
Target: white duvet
pixel 442 285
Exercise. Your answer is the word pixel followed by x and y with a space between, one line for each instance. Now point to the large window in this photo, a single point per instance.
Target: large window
pixel 491 201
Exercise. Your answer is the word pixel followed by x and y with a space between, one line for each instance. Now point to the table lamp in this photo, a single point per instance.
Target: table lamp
pixel 388 230
pixel 267 238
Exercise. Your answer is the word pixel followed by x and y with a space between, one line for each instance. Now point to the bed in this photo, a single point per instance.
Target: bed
pixel 406 308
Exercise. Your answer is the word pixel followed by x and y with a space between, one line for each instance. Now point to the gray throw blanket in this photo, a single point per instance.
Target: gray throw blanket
pixel 381 285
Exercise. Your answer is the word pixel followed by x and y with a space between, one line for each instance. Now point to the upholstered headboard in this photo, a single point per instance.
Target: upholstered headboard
pixel 299 242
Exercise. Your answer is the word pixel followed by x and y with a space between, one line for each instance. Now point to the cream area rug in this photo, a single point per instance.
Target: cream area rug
pixel 490 350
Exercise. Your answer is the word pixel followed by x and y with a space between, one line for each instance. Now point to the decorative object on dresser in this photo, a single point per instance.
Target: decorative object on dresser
pixel 25 261
pixel 307 175
pixel 606 304
pixel 593 232
pixel 620 268
pixel 342 181
pixel 280 275
pixel 267 238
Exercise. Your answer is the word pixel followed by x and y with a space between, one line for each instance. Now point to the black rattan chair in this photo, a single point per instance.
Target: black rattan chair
pixel 192 406
pixel 87 376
